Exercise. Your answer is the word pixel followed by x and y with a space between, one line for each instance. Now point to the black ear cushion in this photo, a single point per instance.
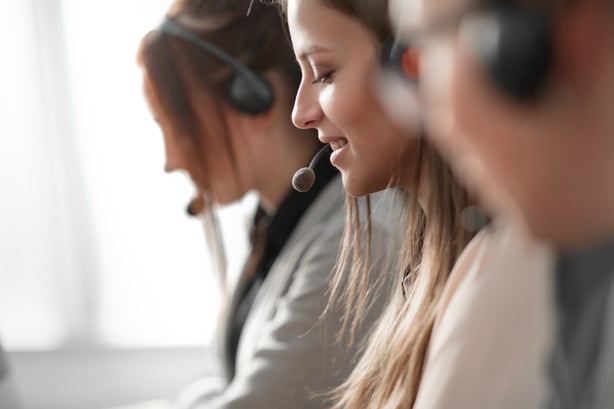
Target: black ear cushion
pixel 514 45
pixel 250 94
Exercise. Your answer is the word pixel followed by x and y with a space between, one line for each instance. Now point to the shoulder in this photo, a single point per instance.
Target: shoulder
pixel 308 257
pixel 497 313
pixel 324 219
pixel 499 259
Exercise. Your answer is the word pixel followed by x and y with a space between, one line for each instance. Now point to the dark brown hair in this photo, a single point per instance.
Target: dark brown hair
pixel 182 78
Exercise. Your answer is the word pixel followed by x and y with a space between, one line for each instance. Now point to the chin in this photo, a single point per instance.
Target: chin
pixel 357 188
pixel 226 199
pixel 350 186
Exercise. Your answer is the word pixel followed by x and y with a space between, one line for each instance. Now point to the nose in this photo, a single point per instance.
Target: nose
pixel 172 165
pixel 307 111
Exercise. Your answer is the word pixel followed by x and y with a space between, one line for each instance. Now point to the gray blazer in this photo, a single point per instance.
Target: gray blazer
pixel 287 355
pixel 604 382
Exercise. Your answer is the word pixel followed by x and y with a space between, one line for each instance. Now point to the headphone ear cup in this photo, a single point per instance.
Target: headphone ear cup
pixel 513 44
pixel 250 94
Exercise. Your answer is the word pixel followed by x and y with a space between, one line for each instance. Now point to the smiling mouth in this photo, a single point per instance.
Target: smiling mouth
pixel 338 144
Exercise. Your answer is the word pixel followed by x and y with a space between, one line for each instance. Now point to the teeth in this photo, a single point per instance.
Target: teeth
pixel 338 144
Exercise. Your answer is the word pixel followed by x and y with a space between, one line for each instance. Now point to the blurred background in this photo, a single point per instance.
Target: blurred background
pixel 106 290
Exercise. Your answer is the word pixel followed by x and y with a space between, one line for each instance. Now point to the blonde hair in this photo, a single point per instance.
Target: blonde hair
pixel 389 372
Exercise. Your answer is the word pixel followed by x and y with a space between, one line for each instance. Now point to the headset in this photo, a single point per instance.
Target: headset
pixel 511 42
pixel 246 91
pixel 400 59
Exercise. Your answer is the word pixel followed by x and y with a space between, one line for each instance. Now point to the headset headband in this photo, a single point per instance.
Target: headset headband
pixel 248 91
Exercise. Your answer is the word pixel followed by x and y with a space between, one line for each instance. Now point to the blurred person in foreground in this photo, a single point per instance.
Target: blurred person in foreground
pixel 519 96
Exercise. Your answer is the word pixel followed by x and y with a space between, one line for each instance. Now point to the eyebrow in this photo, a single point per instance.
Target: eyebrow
pixel 312 50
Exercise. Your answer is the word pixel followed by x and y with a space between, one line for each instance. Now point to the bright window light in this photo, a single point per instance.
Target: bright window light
pixel 98 248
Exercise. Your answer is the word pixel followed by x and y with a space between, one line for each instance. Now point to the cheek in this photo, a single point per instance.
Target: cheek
pixel 349 101
pixel 436 91
pixel 479 118
pixel 450 106
pixel 455 104
pixel 344 105
pixel 487 136
pixel 223 182
pixel 470 102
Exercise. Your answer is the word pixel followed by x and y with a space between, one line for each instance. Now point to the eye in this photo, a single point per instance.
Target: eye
pixel 325 78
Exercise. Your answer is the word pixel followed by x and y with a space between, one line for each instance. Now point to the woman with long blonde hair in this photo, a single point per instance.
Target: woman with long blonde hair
pixel 338 44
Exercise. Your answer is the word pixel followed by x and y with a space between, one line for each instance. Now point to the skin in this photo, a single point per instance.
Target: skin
pixel 339 58
pixel 252 140
pixel 547 165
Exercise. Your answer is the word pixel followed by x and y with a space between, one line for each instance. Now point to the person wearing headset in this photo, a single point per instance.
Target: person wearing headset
pixel 536 141
pixel 219 78
pixel 338 45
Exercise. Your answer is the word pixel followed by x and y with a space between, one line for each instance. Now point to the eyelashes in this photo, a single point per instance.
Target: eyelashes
pixel 325 78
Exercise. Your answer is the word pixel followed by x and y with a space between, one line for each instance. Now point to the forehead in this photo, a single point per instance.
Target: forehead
pixel 314 26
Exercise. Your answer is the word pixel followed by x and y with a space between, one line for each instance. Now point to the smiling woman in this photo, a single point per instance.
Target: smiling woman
pixel 339 45
pixel 346 116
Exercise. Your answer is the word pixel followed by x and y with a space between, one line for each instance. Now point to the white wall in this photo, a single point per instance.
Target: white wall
pixel 106 295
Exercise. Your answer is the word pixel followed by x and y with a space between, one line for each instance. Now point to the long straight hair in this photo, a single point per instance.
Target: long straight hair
pixel 388 374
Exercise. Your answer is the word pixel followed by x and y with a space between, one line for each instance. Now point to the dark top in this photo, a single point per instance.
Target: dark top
pixel 275 230
pixel 583 288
